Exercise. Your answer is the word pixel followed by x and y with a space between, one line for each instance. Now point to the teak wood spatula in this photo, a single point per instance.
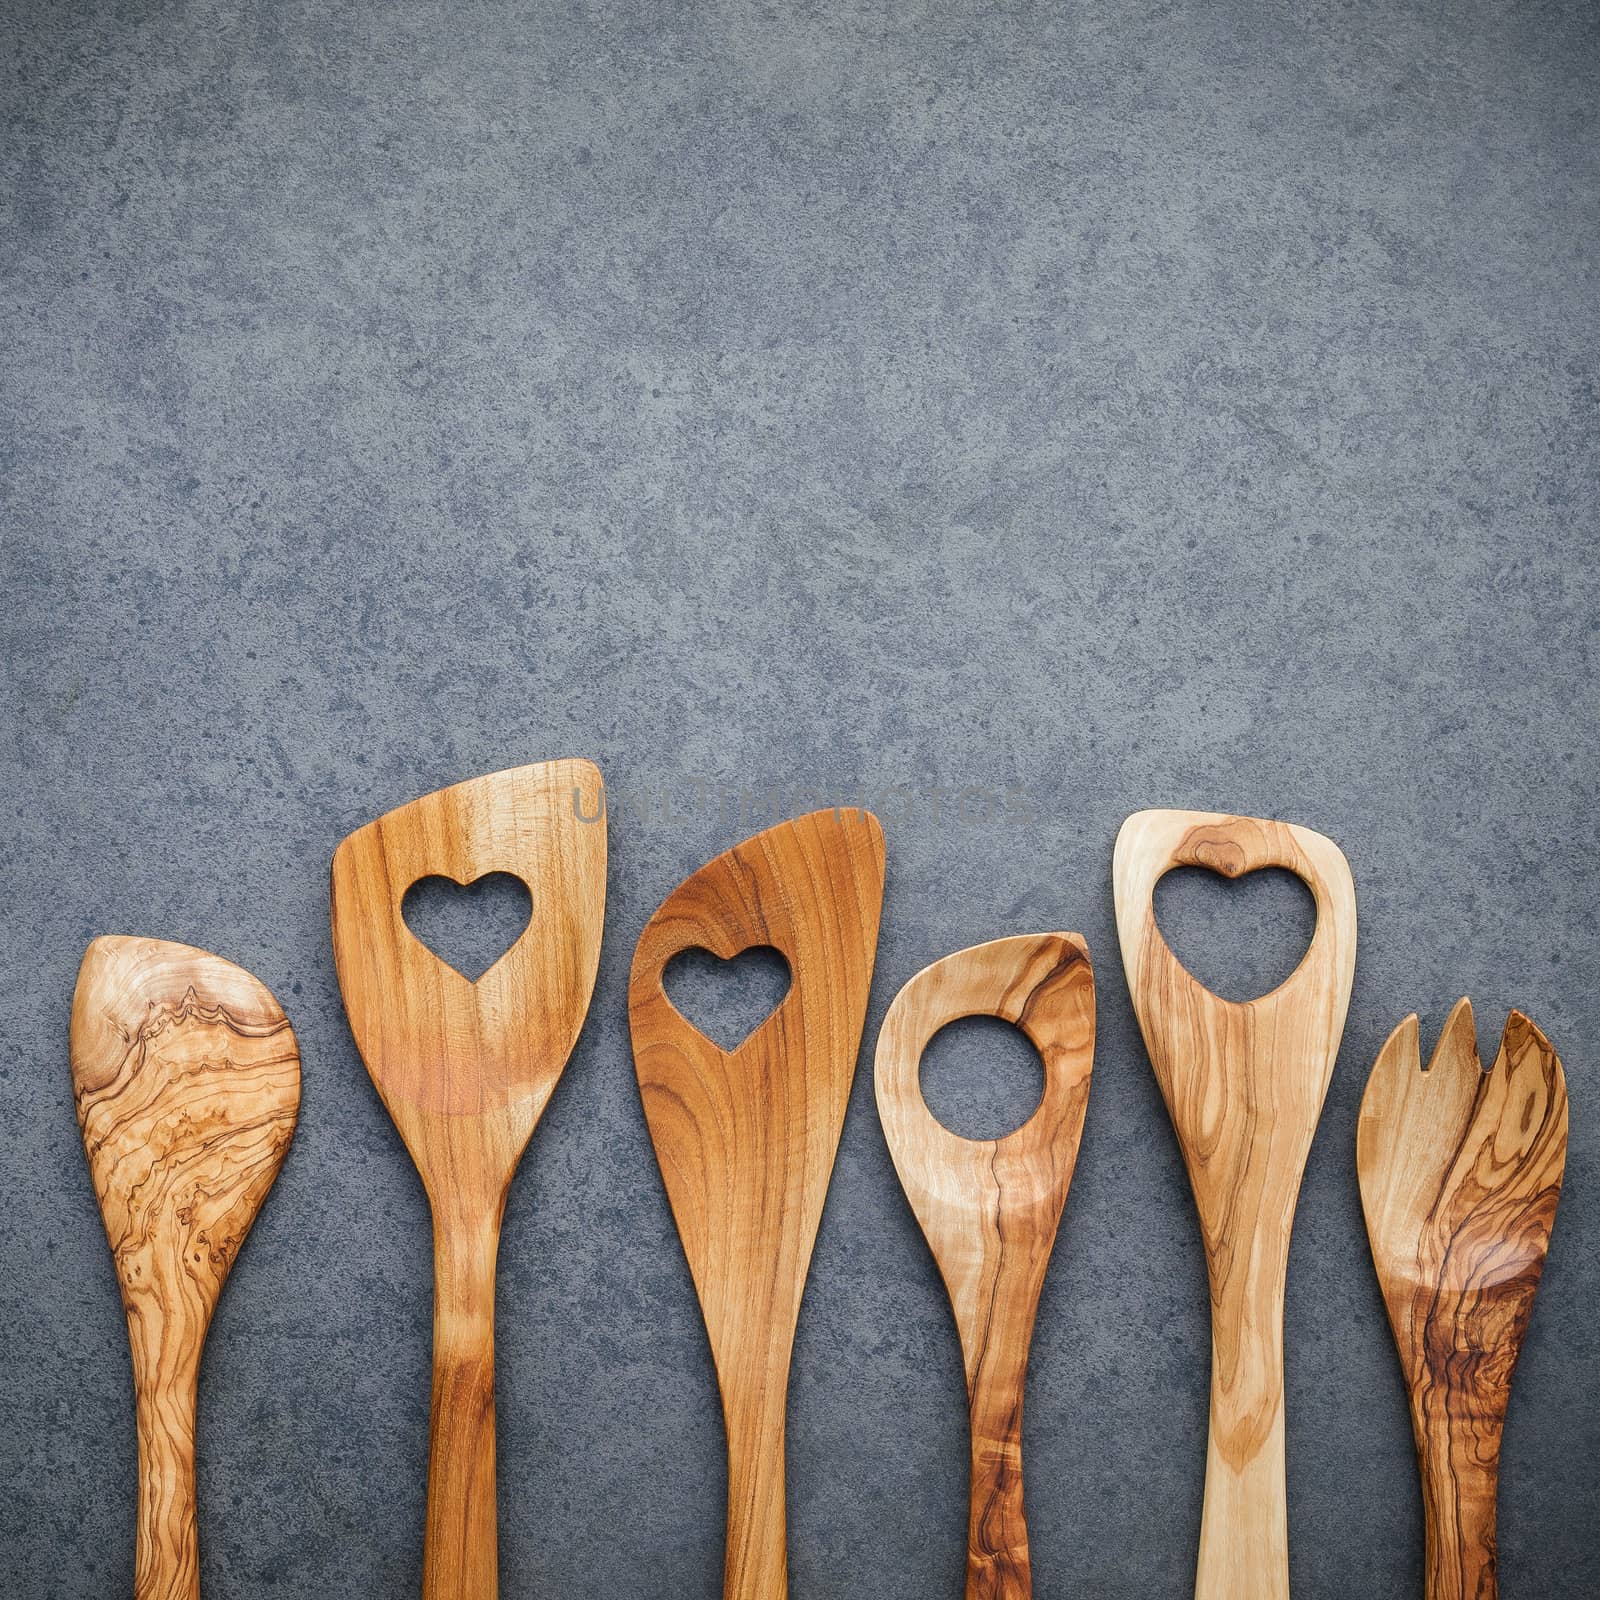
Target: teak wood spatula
pixel 1460 1175
pixel 990 1208
pixel 187 1081
pixel 465 1070
pixel 1244 1085
pixel 746 1139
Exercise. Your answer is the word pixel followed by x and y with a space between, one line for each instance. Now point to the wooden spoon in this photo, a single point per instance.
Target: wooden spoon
pixel 187 1081
pixel 1460 1175
pixel 990 1208
pixel 465 1070
pixel 1244 1085
pixel 746 1139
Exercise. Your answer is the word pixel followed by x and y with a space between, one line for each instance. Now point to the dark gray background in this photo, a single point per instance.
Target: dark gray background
pixel 1129 404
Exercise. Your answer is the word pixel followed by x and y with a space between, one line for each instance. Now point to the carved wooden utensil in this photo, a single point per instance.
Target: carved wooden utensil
pixel 1460 1174
pixel 187 1081
pixel 1244 1085
pixel 990 1208
pixel 746 1139
pixel 465 1070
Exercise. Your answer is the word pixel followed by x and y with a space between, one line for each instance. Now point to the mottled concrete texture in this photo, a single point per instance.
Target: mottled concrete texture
pixel 1117 404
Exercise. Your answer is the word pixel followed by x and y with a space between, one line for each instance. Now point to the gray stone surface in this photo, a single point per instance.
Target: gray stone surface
pixel 1126 404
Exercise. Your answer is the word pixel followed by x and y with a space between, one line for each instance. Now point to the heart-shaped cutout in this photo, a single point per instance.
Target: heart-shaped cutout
pixel 468 926
pixel 727 1000
pixel 1240 937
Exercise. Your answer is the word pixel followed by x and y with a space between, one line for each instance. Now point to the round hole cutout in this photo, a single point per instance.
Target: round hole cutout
pixel 981 1077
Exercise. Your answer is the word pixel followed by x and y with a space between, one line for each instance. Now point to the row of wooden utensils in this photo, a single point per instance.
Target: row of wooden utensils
pixel 187 1080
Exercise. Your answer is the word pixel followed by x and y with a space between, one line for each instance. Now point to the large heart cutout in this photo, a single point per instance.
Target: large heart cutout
pixel 727 1000
pixel 1241 937
pixel 468 926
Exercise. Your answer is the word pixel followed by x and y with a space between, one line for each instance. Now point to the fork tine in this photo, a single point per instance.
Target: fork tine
pixel 1522 1034
pixel 1401 1054
pixel 1456 1053
pixel 1528 1073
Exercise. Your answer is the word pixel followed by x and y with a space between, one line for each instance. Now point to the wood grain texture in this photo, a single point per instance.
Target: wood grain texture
pixel 187 1082
pixel 746 1139
pixel 990 1208
pixel 1460 1175
pixel 1244 1085
pixel 465 1070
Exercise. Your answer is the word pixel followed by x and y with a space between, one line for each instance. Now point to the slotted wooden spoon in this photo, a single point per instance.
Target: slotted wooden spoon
pixel 465 1070
pixel 187 1081
pixel 746 1138
pixel 1244 1085
pixel 1460 1175
pixel 990 1208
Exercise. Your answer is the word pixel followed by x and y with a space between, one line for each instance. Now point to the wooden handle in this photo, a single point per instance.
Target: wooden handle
pixel 460 1550
pixel 756 1563
pixel 1461 1560
pixel 746 1139
pixel 187 1080
pixel 990 1208
pixel 1244 1085
pixel 1460 1175
pixel 166 1560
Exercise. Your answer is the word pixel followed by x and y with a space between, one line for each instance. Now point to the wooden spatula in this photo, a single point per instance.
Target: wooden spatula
pixel 990 1208
pixel 187 1081
pixel 1244 1085
pixel 465 1069
pixel 746 1139
pixel 1460 1174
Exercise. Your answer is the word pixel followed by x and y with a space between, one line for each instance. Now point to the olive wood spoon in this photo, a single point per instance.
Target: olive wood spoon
pixel 1460 1174
pixel 990 1208
pixel 187 1081
pixel 465 1070
pixel 746 1138
pixel 1244 1086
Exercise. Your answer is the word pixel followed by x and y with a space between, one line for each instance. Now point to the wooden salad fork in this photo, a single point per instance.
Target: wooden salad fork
pixel 746 1138
pixel 1244 1086
pixel 187 1081
pixel 990 1208
pixel 465 1069
pixel 1460 1175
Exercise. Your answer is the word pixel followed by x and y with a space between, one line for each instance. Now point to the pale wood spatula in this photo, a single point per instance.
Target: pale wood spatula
pixel 746 1138
pixel 187 1081
pixel 1244 1086
pixel 1460 1175
pixel 465 1070
pixel 990 1208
